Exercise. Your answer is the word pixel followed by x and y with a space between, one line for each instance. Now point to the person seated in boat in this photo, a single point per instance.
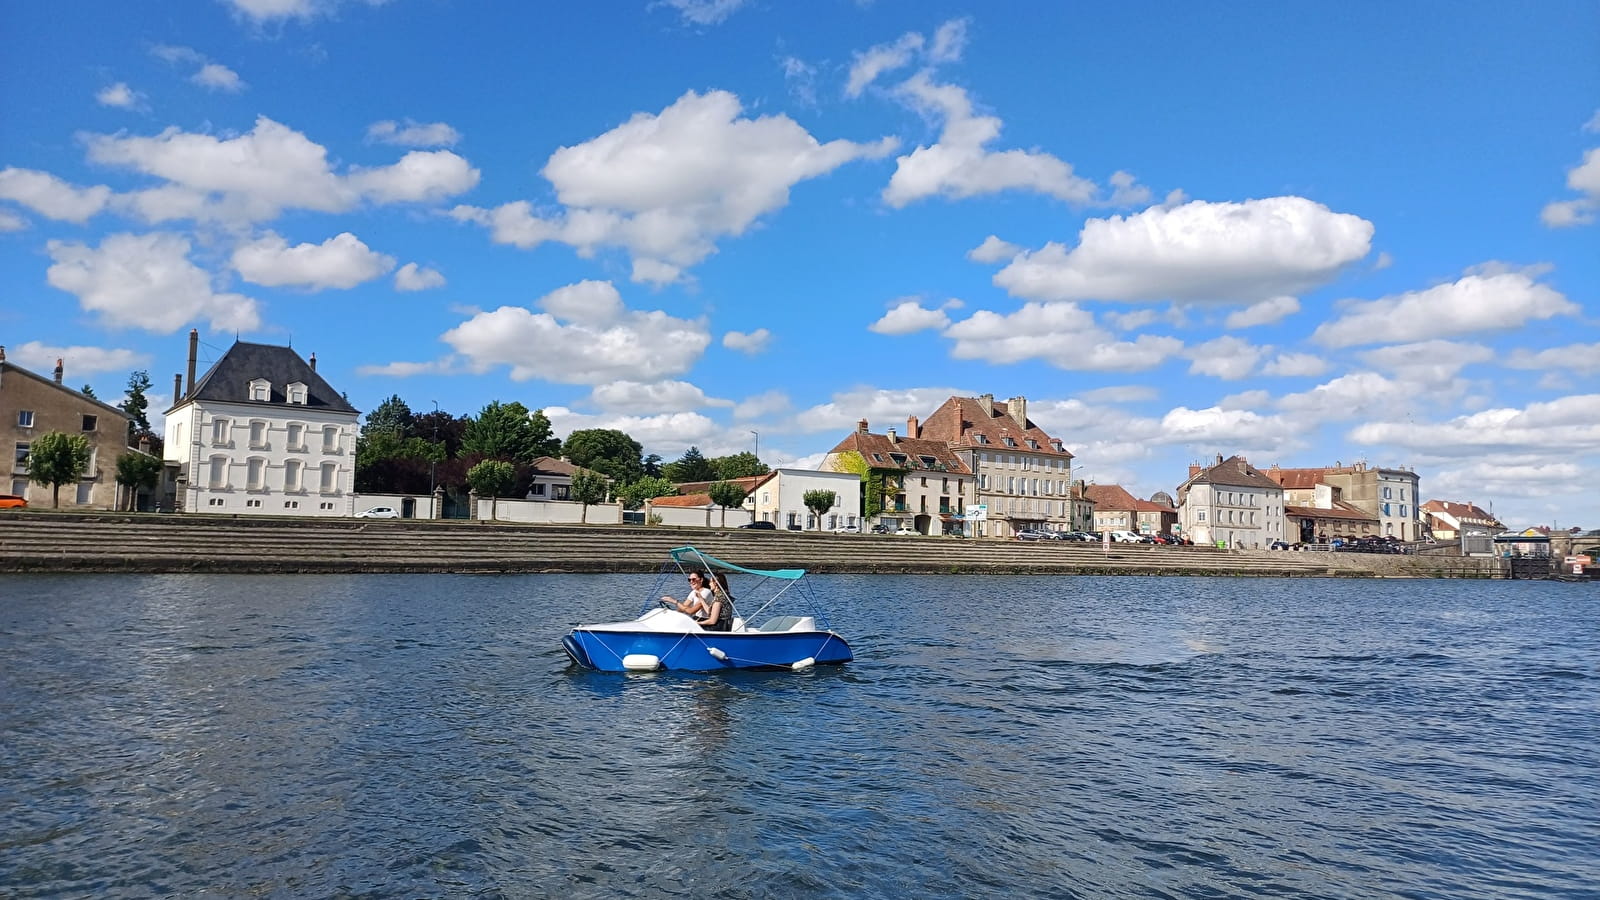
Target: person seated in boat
pixel 698 602
pixel 722 600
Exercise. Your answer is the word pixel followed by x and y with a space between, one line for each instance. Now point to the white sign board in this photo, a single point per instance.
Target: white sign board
pixel 979 512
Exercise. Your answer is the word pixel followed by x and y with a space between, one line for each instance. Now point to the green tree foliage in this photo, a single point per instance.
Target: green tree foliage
pixel 138 471
pixel 692 466
pixel 871 481
pixel 55 459
pixel 738 465
pixel 386 463
pixel 492 478
pixel 510 432
pixel 588 488
pixel 137 405
pixel 652 465
pixel 605 450
pixel 88 392
pixel 634 495
pixel 726 494
pixel 819 502
pixel 392 416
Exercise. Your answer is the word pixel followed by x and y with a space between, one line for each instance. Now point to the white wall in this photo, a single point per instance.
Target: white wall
pixel 701 516
pixel 190 442
pixel 783 496
pixel 424 502
pixel 548 512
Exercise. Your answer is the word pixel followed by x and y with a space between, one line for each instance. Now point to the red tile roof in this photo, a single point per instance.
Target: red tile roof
pixel 1115 497
pixel 1341 510
pixel 688 501
pixel 963 422
pixel 748 482
pixel 880 452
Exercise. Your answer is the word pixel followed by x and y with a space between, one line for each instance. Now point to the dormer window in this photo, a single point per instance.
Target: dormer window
pixel 1009 442
pixel 297 394
pixel 1033 444
pixel 980 438
pixel 260 390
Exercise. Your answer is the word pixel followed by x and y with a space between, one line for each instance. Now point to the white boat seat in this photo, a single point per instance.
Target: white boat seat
pixel 789 623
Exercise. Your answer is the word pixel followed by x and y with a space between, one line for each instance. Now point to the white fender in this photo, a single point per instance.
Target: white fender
pixel 716 654
pixel 806 663
pixel 641 662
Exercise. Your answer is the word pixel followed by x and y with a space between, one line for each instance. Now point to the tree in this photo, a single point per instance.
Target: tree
pixel 872 483
pixel 726 494
pixel 508 431
pixel 389 464
pixel 588 488
pixel 56 459
pixel 605 450
pixel 634 495
pixel 819 502
pixel 88 392
pixel 136 405
pixel 137 470
pixel 392 415
pixel 492 478
pixel 738 465
pixel 652 465
pixel 692 466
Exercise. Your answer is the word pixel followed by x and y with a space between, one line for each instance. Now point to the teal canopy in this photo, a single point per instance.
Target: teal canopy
pixel 692 557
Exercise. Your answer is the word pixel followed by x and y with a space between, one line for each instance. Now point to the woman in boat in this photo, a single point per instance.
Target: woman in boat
pixel 699 603
pixel 722 601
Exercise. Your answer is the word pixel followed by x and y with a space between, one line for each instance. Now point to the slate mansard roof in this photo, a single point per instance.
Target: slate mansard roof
pixel 228 380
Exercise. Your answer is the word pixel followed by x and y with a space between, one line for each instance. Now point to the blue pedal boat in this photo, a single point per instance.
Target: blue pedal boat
pixel 776 624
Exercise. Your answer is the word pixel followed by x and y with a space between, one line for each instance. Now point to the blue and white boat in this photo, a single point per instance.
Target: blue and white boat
pixel 765 631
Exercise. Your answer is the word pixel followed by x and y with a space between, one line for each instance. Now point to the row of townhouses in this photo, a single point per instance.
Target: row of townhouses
pixel 261 432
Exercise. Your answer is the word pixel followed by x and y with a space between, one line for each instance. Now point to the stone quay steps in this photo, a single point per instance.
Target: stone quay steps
pixel 41 541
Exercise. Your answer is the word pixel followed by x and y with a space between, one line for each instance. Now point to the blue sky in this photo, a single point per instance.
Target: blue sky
pixel 1305 233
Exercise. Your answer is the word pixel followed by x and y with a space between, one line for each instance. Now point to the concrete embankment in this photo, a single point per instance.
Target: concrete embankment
pixel 42 541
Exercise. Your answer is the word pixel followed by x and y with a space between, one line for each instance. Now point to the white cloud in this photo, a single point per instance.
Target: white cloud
pixel 1568 424
pixel 1126 191
pixel 267 10
pixel 412 277
pixel 668 434
pixel 1427 363
pixel 702 12
pixel 51 197
pixel 1585 179
pixel 752 342
pixel 763 404
pixel 881 407
pixel 1296 364
pixel 801 77
pixel 1245 400
pixel 342 261
pixel 949 41
pixel 1132 320
pixel 120 96
pixel 1383 261
pixel 1351 397
pixel 958 166
pixel 1226 357
pixel 1061 334
pixel 1582 358
pixel 218 77
pixel 1265 312
pixel 883 58
pixel 908 316
pixel 666 187
pixel 176 54
pixel 409 369
pixel 1494 300
pixel 993 250
pixel 78 360
pixel 1218 427
pixel 10 221
pixel 413 134
pixel 1593 125
pixel 1224 252
pixel 256 175
pixel 1126 393
pixel 600 341
pixel 146 281
pixel 652 398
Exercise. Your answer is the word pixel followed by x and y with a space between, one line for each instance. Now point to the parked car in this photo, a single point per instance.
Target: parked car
pixel 760 526
pixel 1128 537
pixel 880 528
pixel 908 531
pixel 847 529
pixel 1028 534
pixel 379 512
pixel 12 501
pixel 1278 545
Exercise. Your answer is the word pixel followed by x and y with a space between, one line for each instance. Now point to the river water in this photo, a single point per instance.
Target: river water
pixel 424 736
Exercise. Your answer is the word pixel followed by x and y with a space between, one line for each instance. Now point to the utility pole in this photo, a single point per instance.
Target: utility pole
pixel 432 463
pixel 758 445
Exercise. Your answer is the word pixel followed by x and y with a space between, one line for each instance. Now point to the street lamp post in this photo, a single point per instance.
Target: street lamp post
pixel 432 463
pixel 758 446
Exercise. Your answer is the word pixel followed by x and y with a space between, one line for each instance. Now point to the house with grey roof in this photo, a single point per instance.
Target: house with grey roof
pixel 1231 503
pixel 261 433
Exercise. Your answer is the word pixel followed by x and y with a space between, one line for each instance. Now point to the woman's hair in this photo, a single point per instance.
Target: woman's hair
pixel 722 584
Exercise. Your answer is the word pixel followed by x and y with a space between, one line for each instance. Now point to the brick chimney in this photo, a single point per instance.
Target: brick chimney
pixel 313 362
pixel 861 427
pixel 60 370
pixel 177 388
pixel 1018 407
pixel 986 403
pixel 913 427
pixel 2 354
pixel 893 438
pixel 194 353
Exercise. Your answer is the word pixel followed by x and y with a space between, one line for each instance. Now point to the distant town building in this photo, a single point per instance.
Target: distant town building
pixel 261 433
pixel 1117 510
pixel 1447 519
pixel 906 482
pixel 1024 476
pixel 780 499
pixel 1388 496
pixel 1232 504
pixel 32 405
